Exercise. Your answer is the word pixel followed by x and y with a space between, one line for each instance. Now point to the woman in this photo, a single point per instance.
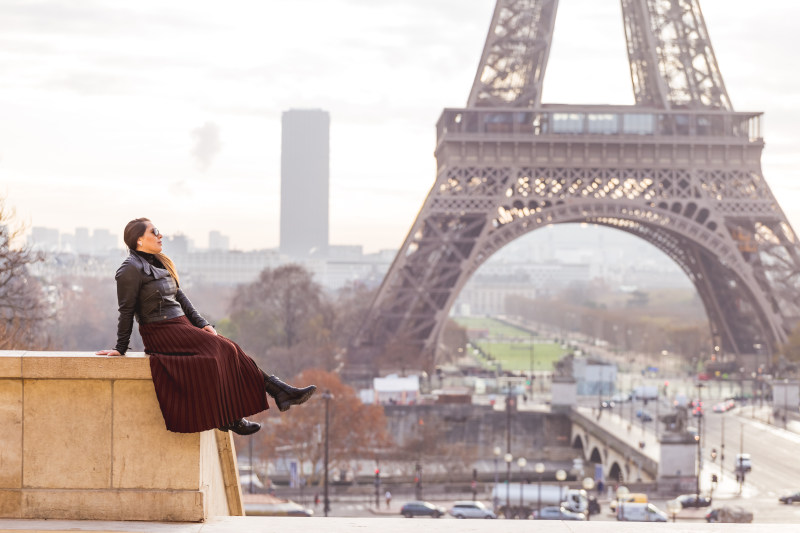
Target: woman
pixel 202 380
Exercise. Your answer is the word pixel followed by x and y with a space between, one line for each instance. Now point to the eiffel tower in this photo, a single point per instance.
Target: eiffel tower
pixel 679 168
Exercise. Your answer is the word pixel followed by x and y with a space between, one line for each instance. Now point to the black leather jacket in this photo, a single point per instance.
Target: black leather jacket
pixel 150 293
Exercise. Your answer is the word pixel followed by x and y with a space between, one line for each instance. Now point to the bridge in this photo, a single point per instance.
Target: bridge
pixel 626 453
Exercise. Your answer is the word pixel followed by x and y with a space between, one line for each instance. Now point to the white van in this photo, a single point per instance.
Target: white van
pixel 640 512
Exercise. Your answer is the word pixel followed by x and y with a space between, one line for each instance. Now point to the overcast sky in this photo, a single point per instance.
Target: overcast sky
pixel 113 110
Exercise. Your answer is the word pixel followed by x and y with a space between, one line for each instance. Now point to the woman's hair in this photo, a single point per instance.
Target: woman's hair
pixel 135 229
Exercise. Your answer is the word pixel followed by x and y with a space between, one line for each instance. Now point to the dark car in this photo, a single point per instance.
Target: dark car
pixel 790 498
pixel 693 500
pixel 412 509
pixel 644 416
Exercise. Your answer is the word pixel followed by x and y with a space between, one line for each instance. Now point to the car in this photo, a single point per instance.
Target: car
pixel 693 500
pixel 621 398
pixel 729 514
pixel 697 410
pixel 606 404
pixel 644 416
pixel 412 509
pixel 724 406
pixel 553 512
pixel 743 462
pixel 470 509
pixel 790 498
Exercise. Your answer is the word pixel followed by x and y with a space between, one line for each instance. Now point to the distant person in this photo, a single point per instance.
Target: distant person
pixel 388 497
pixel 202 380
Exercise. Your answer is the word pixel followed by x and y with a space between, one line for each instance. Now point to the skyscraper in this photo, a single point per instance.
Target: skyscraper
pixel 305 156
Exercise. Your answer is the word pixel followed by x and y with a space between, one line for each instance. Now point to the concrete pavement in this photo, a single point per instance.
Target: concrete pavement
pixel 384 525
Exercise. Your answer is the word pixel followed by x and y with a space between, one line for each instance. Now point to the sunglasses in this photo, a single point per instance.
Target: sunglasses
pixel 156 232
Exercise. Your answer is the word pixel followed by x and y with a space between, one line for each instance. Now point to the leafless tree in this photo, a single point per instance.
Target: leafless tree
pixel 23 306
pixel 283 320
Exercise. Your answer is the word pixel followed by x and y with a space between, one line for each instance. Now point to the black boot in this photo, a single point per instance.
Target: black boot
pixel 242 427
pixel 285 395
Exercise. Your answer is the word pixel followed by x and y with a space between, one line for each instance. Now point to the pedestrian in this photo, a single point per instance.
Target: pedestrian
pixel 388 497
pixel 202 380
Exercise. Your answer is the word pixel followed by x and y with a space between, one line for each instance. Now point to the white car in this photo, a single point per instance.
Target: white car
pixel 470 509
pixel 743 462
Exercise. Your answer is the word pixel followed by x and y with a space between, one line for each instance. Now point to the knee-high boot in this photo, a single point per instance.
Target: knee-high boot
pixel 285 395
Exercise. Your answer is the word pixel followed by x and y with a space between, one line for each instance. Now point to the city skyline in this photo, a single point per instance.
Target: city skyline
pixel 112 112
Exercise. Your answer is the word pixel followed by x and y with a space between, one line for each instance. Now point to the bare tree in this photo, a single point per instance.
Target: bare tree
pixel 283 320
pixel 23 307
pixel 355 429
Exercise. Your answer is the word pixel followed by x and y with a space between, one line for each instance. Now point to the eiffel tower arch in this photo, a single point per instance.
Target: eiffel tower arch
pixel 679 168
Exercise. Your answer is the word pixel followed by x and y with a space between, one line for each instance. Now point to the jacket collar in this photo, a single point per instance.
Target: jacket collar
pixel 146 267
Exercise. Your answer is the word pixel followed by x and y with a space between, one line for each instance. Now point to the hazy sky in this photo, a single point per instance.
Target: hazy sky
pixel 113 110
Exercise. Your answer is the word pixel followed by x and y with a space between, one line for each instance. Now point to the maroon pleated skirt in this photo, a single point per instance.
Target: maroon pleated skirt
pixel 202 381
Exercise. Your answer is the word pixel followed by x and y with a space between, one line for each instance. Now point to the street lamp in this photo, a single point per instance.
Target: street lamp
pixel 539 469
pixel 560 476
pixel 327 396
pixel 588 485
pixel 495 500
pixel 700 416
pixel 521 462
pixel 508 458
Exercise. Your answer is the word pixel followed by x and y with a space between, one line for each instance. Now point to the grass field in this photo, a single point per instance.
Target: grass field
pixel 511 346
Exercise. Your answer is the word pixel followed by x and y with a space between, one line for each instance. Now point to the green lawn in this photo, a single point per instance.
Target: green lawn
pixel 511 346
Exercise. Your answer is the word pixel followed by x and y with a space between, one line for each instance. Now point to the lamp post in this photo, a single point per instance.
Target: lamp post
pixel 539 469
pixel 699 436
pixel 327 396
pixel 521 462
pixel 560 477
pixel 508 458
pixel 496 499
pixel 588 485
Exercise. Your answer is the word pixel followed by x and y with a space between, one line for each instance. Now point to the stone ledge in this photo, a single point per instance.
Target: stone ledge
pixel 72 365
pixel 84 439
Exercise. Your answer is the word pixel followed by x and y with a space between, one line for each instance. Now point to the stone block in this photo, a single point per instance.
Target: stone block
pixel 67 434
pixel 10 364
pixel 10 503
pixel 173 459
pixel 177 506
pixel 11 436
pixel 60 365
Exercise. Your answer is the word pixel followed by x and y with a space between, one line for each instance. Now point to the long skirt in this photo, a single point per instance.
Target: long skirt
pixel 202 381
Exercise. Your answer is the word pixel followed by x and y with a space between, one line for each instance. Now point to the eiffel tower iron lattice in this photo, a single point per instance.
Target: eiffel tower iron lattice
pixel 679 168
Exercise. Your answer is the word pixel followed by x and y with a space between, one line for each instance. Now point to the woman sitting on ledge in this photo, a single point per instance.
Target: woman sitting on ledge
pixel 202 380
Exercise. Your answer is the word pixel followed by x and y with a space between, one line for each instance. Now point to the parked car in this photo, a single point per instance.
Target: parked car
pixel 470 509
pixel 729 514
pixel 553 512
pixel 693 500
pixel 643 415
pixel 412 509
pixel 621 398
pixel 790 498
pixel 607 404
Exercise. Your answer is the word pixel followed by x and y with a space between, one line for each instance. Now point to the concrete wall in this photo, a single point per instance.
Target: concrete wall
pixel 83 438
pixel 481 428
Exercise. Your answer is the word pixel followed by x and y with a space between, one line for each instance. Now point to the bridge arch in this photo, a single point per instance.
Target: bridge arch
pixel 595 456
pixel 615 473
pixel 577 444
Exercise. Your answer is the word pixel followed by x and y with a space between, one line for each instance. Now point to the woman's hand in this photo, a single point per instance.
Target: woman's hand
pixel 209 328
pixel 108 352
